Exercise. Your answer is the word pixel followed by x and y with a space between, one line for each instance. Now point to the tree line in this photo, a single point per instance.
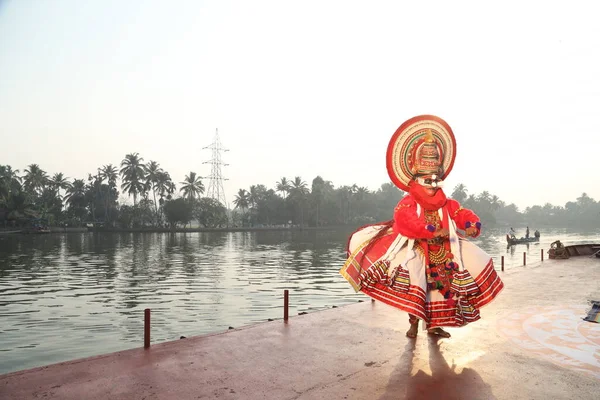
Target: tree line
pixel 57 200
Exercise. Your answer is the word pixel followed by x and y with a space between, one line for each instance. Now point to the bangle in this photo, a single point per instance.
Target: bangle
pixel 477 224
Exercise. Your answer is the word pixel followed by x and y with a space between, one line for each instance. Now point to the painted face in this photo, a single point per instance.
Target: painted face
pixel 430 183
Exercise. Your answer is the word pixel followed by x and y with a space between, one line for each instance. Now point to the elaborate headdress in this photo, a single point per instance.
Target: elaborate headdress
pixel 423 145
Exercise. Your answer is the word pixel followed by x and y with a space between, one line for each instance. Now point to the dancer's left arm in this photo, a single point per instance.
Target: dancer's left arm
pixel 465 219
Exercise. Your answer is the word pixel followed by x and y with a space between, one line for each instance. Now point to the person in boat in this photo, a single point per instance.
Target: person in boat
pixel 511 233
pixel 527 233
pixel 557 250
pixel 536 234
pixel 418 261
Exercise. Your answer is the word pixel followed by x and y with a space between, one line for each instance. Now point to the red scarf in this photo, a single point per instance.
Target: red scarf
pixel 425 200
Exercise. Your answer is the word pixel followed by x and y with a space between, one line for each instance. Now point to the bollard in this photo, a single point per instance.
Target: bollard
pixel 524 258
pixel 542 253
pixel 502 262
pixel 146 328
pixel 286 303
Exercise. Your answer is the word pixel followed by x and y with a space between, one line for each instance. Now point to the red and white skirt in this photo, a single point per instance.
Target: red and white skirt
pixel 474 285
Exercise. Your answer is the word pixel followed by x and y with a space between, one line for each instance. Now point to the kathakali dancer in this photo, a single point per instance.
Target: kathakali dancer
pixel 419 261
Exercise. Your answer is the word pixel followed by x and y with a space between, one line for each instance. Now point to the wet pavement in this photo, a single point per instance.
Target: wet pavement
pixel 531 343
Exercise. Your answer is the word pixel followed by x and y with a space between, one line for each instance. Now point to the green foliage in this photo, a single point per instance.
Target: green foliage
pixel 290 202
pixel 126 216
pixel 178 212
pixel 210 213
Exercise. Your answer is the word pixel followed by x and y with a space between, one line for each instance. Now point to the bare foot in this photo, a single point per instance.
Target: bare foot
pixel 412 332
pixel 438 331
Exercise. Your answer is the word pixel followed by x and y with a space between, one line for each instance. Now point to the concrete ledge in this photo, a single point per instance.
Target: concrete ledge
pixel 531 343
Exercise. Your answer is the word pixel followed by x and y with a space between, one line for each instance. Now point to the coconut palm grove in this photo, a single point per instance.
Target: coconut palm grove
pixel 141 195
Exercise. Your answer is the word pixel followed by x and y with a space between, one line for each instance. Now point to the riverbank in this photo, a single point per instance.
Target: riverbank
pixel 58 229
pixel 341 228
pixel 230 229
pixel 530 343
pixel 9 232
pixel 53 229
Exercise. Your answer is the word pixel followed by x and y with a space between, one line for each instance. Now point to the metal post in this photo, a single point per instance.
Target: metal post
pixel 542 253
pixel 502 262
pixel 524 258
pixel 146 328
pixel 286 303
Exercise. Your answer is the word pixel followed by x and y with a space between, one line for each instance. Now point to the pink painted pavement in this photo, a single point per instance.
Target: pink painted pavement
pixel 531 343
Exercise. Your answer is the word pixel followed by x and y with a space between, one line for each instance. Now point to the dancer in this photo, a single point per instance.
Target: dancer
pixel 419 262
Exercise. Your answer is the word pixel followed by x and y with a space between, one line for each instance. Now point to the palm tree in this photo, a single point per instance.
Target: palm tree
pixel 485 202
pixel 108 173
pixel 133 175
pixel 283 186
pixel 362 192
pixel 75 197
pixel 242 200
pixel 35 179
pixel 153 172
pixel 253 196
pixel 192 186
pixel 58 182
pixel 299 186
pixel 94 188
pixel 4 185
pixel 345 196
pixel 165 187
pixel 460 193
pixel 9 182
pixel 318 194
pixel 495 203
pixel 9 173
pixel 298 194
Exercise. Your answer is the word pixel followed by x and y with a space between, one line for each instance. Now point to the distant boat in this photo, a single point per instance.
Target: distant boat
pixel 557 250
pixel 514 240
pixel 38 225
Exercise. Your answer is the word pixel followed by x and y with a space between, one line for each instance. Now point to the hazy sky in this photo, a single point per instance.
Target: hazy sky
pixel 305 88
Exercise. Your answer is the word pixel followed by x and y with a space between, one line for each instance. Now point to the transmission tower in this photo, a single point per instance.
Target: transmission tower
pixel 215 186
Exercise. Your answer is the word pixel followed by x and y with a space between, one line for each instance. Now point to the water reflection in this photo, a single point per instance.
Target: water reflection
pixel 73 295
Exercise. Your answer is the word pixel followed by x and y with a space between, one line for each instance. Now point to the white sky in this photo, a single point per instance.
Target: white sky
pixel 305 88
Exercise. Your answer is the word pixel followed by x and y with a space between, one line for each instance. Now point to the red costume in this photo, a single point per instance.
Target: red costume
pixel 418 262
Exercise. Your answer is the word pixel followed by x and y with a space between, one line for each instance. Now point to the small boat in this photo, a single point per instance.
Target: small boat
pixel 38 225
pixel 514 240
pixel 584 249
pixel 559 251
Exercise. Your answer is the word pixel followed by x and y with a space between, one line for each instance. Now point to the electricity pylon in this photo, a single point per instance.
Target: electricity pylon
pixel 215 185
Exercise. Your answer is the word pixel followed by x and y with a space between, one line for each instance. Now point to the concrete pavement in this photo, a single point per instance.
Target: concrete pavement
pixel 531 343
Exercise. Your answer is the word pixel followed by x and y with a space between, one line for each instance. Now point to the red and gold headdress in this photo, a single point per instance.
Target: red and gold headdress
pixel 423 145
